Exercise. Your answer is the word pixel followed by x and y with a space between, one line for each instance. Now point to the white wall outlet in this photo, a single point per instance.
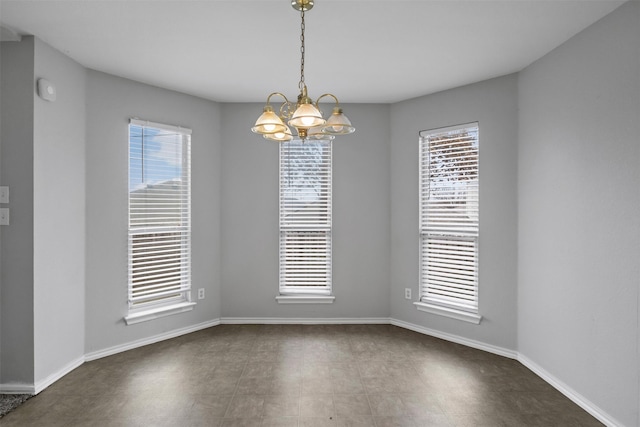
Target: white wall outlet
pixel 201 293
pixel 4 216
pixel 4 194
pixel 407 293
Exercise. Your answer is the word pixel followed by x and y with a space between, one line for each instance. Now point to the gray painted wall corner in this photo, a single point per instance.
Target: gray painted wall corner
pixel 16 171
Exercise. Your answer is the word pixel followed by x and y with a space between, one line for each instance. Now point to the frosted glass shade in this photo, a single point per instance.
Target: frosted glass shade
pixel 280 136
pixel 316 133
pixel 306 116
pixel 268 123
pixel 338 123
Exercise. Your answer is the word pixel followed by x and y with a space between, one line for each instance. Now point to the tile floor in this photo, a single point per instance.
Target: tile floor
pixel 301 375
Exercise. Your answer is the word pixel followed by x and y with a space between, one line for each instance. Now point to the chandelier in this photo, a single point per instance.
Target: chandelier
pixel 304 115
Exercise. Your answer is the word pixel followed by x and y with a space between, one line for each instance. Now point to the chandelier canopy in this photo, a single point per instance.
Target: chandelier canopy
pixel 303 115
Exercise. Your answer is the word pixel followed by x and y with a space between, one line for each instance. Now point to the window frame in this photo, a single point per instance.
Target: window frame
pixel 317 222
pixel 153 237
pixel 451 238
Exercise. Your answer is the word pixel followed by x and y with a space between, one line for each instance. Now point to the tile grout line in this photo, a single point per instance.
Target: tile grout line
pixel 235 390
pixel 366 393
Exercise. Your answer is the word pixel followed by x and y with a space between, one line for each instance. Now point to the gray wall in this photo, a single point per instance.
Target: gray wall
pixel 16 171
pixel 111 101
pixel 58 214
pixel 492 103
pixel 579 233
pixel 360 219
pixel 43 247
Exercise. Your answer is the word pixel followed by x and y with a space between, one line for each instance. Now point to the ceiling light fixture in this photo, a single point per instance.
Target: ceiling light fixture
pixel 304 115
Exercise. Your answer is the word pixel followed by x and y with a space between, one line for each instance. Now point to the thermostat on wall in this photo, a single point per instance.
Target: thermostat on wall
pixel 46 90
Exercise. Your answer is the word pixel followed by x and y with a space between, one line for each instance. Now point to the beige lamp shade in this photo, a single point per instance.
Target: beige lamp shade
pixel 280 136
pixel 317 133
pixel 306 116
pixel 338 123
pixel 268 122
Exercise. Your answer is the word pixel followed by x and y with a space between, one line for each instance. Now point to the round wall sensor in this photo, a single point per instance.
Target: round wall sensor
pixel 46 90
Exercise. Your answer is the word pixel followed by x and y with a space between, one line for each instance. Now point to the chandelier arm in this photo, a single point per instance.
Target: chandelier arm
pixel 276 93
pixel 287 109
pixel 325 95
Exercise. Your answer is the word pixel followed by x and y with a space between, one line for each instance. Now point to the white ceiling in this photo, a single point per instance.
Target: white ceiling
pixel 362 51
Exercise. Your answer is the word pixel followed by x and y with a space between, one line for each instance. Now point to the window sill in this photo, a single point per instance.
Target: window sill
pixel 305 299
pixel 449 312
pixel 154 313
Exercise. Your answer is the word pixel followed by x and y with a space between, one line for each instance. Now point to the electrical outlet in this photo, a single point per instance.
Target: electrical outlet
pixel 407 293
pixel 201 293
pixel 4 194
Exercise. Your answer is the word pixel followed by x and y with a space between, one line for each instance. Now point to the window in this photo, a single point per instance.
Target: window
pixel 449 223
pixel 159 220
pixel 305 219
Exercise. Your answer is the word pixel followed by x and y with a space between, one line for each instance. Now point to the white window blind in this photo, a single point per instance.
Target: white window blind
pixel 449 217
pixel 305 217
pixel 159 214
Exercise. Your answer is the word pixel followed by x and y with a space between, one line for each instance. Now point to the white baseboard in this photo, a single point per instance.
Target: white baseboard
pixel 512 354
pixel 41 385
pixel 575 397
pixel 304 321
pixel 17 388
pixel 149 340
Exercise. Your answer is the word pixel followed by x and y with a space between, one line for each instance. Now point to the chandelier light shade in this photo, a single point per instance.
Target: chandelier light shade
pixel 338 123
pixel 318 133
pixel 304 115
pixel 269 122
pixel 280 136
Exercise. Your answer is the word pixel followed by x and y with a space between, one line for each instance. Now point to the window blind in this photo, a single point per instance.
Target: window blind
pixel 449 216
pixel 305 217
pixel 159 214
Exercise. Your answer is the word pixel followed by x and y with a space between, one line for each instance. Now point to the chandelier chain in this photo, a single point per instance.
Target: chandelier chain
pixel 302 50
